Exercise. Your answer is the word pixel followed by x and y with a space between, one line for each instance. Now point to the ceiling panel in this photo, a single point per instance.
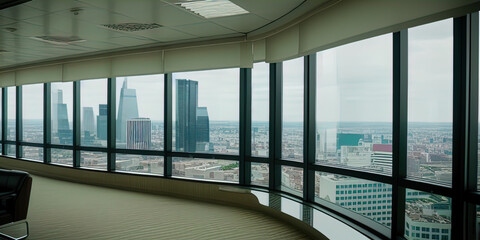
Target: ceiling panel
pixel 21 12
pixel 51 6
pixel 205 29
pixel 241 23
pixel 269 9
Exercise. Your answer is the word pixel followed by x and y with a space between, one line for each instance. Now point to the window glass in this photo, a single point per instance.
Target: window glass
pixel 370 199
pixel 32 153
pixel 139 163
pixel 11 113
pixel 205 169
pixel 11 150
pixel 62 113
pixel 96 160
pixel 292 180
pixel 292 125
pixel 61 156
pixel 32 113
pixel 260 174
pixel 206 111
pixel 139 112
pixel 430 94
pixel 93 107
pixel 425 213
pixel 354 105
pixel 260 109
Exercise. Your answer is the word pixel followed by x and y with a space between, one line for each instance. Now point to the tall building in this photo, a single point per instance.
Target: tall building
pixel 139 133
pixel 102 121
pixel 186 115
pixel 382 157
pixel 60 118
pixel 127 109
pixel 203 129
pixel 88 120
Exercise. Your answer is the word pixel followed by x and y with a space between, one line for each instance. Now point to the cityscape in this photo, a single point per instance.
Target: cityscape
pixel 366 146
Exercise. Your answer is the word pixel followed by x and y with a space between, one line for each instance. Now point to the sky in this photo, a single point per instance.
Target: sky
pixel 354 83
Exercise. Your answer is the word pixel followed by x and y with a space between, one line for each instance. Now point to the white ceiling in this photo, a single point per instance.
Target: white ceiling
pixel 54 18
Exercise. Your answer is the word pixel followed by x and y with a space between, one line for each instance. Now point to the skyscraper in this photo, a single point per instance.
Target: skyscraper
pixel 203 125
pixel 88 120
pixel 102 122
pixel 186 115
pixel 139 133
pixel 127 109
pixel 64 132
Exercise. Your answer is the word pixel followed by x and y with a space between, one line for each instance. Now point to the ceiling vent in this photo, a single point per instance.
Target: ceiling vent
pixel 59 39
pixel 131 27
pixel 212 8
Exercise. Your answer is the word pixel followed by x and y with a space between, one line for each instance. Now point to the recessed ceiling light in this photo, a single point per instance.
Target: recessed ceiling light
pixel 61 40
pixel 213 8
pixel 131 27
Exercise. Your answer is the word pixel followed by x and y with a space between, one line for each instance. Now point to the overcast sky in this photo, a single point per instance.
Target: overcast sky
pixel 354 83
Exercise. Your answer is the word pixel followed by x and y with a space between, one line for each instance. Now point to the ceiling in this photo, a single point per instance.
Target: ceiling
pixel 19 25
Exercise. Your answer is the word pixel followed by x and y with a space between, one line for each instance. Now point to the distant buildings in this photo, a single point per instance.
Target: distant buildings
pixel 88 121
pixel 102 121
pixel 127 109
pixel 60 119
pixel 139 133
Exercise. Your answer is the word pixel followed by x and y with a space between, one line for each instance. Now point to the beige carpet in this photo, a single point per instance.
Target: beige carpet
pixel 64 210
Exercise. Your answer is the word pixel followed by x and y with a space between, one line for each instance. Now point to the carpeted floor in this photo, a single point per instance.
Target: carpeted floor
pixel 64 210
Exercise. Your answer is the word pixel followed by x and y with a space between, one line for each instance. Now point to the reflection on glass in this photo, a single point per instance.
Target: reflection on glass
pixel 62 156
pixel 370 199
pixel 32 113
pixel 11 113
pixel 354 105
pixel 206 111
pixel 208 169
pixel 32 153
pixel 139 112
pixel 260 174
pixel 139 163
pixel 430 93
pixel 97 160
pixel 427 216
pixel 62 113
pixel 292 180
pixel 260 109
pixel 291 208
pixel 292 126
pixel 332 228
pixel 93 112
pixel 11 150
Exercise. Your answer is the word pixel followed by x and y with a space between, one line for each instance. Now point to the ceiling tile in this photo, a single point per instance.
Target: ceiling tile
pixel 164 34
pixel 21 12
pixel 241 23
pixel 205 29
pixel 50 6
pixel 269 9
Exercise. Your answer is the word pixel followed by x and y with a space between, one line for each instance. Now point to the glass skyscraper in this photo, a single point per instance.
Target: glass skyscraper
pixel 127 109
pixel 186 115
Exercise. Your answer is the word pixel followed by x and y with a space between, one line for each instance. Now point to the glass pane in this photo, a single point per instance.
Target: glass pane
pixel 32 113
pixel 260 109
pixel 354 105
pixel 260 174
pixel 62 113
pixel 139 112
pixel 11 150
pixel 32 153
pixel 97 160
pixel 139 163
pixel 61 156
pixel 208 169
pixel 292 180
pixel 93 111
pixel 292 126
pixel 206 111
pixel 430 94
pixel 370 199
pixel 427 216
pixel 11 113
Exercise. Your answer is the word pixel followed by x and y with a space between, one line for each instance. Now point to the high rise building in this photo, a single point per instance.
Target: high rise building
pixel 382 157
pixel 139 133
pixel 60 118
pixel 127 109
pixel 186 115
pixel 102 121
pixel 88 120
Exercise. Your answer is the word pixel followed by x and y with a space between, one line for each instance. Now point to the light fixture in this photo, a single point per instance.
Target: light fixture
pixel 59 40
pixel 131 27
pixel 213 8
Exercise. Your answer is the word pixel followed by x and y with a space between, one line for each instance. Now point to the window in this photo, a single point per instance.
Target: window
pixel 292 180
pixel 206 169
pixel 61 113
pixel 260 109
pixel 32 115
pixel 11 113
pixel 260 174
pixel 201 122
pixel 430 94
pixel 95 160
pixel 32 153
pixel 139 163
pixel 292 125
pixel 93 98
pixel 139 112
pixel 354 105
pixel 62 157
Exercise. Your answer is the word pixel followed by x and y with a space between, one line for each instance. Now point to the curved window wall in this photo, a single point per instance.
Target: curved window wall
pixel 376 130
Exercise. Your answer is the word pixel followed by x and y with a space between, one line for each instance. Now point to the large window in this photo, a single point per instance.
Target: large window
pixel 62 113
pixel 139 112
pixel 430 94
pixel 292 125
pixel 206 111
pixel 139 163
pixel 260 109
pixel 206 169
pixel 93 107
pixel 11 113
pixel 32 115
pixel 354 105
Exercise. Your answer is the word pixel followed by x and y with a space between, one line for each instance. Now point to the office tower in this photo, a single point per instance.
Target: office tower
pixel 56 99
pixel 203 127
pixel 139 133
pixel 102 121
pixel 60 118
pixel 382 157
pixel 88 120
pixel 350 139
pixel 127 109
pixel 186 115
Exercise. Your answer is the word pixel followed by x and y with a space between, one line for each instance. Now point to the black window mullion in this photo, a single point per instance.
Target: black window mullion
pixel 76 123
pixel 167 124
pixel 19 122
pixel 309 111
pixel 275 125
pixel 400 130
pixel 47 123
pixel 111 126
pixel 245 125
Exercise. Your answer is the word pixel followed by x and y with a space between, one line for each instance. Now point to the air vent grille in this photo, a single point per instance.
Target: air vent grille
pixel 131 27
